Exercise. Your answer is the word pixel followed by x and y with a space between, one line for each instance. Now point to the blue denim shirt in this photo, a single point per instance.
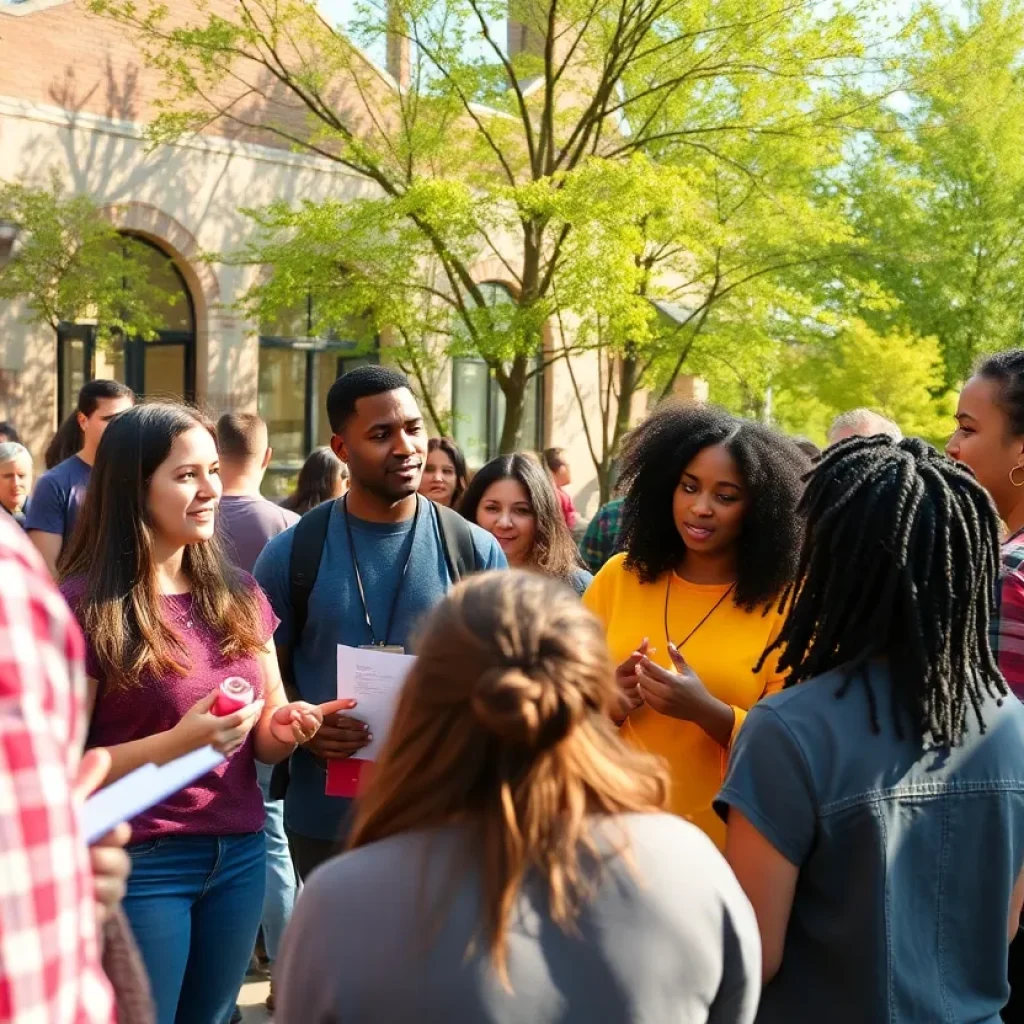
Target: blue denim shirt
pixel 907 855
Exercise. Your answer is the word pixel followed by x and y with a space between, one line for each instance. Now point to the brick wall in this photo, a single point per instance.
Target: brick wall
pixel 64 56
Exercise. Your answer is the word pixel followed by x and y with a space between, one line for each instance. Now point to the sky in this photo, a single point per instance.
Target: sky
pixel 342 12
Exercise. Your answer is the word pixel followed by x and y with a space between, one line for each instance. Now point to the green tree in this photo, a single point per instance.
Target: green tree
pixel 72 264
pixel 937 191
pixel 710 255
pixel 897 374
pixel 473 159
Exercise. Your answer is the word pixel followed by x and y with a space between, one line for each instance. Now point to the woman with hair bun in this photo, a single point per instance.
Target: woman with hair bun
pixel 511 860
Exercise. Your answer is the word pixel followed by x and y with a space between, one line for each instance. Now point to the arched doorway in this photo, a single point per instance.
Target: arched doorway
pixel 162 368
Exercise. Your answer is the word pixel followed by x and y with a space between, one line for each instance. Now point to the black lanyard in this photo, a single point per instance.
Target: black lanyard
pixel 690 635
pixel 359 576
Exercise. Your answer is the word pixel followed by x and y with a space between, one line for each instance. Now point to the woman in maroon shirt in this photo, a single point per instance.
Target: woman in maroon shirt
pixel 166 620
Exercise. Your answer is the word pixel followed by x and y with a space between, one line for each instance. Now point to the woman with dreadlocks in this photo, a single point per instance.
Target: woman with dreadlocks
pixel 990 440
pixel 711 535
pixel 876 805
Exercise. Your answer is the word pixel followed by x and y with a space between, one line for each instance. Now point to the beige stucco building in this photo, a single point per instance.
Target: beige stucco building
pixel 75 96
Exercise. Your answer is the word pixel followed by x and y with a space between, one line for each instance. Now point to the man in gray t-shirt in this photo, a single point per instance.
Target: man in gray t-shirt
pixel 383 935
pixel 246 520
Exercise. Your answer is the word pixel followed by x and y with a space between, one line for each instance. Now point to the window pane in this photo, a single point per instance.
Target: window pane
pixel 328 370
pixel 287 323
pixel 72 355
pixel 282 404
pixel 330 365
pixel 470 386
pixel 163 371
pixel 109 360
pixel 176 313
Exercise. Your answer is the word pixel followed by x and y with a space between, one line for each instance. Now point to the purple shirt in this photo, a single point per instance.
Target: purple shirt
pixel 245 525
pixel 57 497
pixel 225 801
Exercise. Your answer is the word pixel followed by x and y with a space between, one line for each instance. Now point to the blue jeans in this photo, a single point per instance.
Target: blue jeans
pixel 194 903
pixel 280 897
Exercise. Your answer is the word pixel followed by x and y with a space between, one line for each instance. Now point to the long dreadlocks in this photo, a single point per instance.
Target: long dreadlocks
pixel 900 561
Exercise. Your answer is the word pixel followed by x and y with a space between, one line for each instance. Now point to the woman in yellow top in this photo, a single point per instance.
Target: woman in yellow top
pixel 711 535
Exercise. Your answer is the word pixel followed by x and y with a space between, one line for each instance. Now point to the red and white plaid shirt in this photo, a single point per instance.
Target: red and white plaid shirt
pixel 49 956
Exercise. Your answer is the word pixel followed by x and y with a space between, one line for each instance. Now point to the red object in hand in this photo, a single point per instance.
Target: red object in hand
pixel 233 695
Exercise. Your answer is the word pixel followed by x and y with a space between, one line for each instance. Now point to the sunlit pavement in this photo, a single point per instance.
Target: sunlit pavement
pixel 251 1002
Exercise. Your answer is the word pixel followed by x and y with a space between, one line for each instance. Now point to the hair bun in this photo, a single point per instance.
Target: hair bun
pixel 519 708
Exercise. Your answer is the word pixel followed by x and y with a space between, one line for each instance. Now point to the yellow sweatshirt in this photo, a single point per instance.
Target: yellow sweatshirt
pixel 723 653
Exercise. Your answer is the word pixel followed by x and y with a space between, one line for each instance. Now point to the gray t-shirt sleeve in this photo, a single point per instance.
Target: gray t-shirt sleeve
pixel 770 783
pixel 740 991
pixel 48 507
pixel 271 572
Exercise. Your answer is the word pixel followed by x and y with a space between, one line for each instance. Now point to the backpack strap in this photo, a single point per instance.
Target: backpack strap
pixel 457 538
pixel 303 569
pixel 304 566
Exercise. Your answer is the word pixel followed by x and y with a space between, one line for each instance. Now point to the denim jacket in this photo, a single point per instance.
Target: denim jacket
pixel 907 854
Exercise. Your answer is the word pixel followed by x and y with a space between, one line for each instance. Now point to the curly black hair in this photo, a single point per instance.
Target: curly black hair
pixel 772 467
pixel 901 561
pixel 1007 370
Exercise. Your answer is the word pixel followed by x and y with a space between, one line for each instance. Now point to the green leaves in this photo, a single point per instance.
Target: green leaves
pixel 937 193
pixel 72 264
pixel 899 374
pixel 608 158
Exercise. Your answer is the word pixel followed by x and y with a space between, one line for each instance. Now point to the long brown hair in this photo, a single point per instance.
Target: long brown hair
pixel 111 551
pixel 503 726
pixel 554 551
pixel 458 460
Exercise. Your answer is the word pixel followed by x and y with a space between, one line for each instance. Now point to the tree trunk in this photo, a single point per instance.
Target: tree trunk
pixel 628 379
pixel 629 373
pixel 514 381
pixel 513 387
pixel 604 481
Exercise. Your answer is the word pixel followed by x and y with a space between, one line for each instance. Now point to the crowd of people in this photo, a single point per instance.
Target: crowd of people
pixel 750 750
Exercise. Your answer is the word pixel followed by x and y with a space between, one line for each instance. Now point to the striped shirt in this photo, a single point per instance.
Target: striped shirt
pixel 1007 632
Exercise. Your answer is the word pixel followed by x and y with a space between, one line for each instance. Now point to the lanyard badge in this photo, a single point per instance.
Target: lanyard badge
pixel 380 643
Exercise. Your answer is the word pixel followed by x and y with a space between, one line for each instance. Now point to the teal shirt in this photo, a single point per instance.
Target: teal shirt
pixel 336 617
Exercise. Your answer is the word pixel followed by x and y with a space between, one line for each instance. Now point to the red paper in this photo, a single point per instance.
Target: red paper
pixel 348 777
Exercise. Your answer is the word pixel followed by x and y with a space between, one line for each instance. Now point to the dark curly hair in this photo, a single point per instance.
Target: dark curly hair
pixel 916 582
pixel 653 460
pixel 1007 370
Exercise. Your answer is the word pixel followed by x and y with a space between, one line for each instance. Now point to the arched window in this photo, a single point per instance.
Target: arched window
pixel 164 367
pixel 478 403
pixel 296 371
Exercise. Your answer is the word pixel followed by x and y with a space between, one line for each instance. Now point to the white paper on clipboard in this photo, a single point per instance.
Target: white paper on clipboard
pixel 141 789
pixel 374 680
